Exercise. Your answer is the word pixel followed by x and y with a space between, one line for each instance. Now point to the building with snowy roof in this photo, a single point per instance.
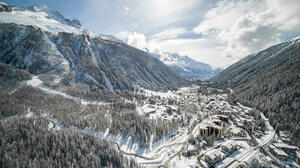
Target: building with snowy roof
pixel 279 153
pixel 213 156
pixel 229 146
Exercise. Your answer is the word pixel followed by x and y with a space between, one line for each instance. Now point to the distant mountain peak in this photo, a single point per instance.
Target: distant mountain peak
pixel 186 66
pixel 44 43
pixel 53 14
pixel 46 19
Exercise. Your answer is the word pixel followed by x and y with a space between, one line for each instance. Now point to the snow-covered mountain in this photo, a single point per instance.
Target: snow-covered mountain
pixel 64 55
pixel 254 65
pixel 186 66
pixel 269 80
pixel 47 19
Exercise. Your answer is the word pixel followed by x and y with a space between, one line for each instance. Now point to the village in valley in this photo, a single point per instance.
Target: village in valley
pixel 214 132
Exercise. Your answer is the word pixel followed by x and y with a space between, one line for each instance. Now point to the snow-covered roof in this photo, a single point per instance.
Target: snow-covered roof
pixel 191 147
pixel 283 145
pixel 206 165
pixel 280 152
pixel 214 154
pixel 284 133
pixel 236 130
pixel 229 144
pixel 202 126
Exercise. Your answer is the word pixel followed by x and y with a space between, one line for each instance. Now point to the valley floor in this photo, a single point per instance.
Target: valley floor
pixel 212 132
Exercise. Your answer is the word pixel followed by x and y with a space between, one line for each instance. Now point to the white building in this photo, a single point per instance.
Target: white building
pixel 213 156
pixel 229 146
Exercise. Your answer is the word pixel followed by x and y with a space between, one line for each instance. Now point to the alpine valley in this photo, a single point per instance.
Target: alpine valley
pixel 70 97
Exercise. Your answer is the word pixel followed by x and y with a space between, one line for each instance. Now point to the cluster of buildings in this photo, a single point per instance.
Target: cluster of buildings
pixel 215 155
pixel 214 125
pixel 285 152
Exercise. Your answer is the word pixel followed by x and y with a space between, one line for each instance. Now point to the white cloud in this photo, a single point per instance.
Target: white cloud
pixel 229 30
pixel 224 15
pixel 201 49
pixel 134 39
pixel 250 26
pixel 133 25
pixel 126 10
pixel 169 34
pixel 285 14
pixel 123 9
pixel 163 12
pixel 248 35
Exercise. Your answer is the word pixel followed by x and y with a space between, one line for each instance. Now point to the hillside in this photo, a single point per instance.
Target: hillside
pixel 65 56
pixel 269 81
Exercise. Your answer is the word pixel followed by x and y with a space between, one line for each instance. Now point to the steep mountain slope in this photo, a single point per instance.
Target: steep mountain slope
pixel 70 92
pixel 270 82
pixel 186 66
pixel 41 41
pixel 256 64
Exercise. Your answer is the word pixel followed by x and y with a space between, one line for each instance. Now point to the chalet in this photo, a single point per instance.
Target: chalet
pixel 213 156
pixel 286 148
pixel 237 132
pixel 191 150
pixel 229 146
pixel 280 154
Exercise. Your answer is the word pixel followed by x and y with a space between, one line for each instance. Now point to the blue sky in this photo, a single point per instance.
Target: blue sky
pixel 218 32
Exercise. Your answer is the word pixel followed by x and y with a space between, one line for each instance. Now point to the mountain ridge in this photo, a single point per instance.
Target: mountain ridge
pixel 187 66
pixel 68 57
pixel 269 81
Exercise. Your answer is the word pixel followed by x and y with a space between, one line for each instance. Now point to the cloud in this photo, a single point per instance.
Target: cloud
pixel 133 25
pixel 249 26
pixel 125 10
pixel 200 49
pixel 151 15
pixel 224 15
pixel 285 14
pixel 248 35
pixel 134 39
pixel 164 12
pixel 169 34
pixel 228 30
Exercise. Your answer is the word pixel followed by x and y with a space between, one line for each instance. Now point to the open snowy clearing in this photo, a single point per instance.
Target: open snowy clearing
pixel 37 83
